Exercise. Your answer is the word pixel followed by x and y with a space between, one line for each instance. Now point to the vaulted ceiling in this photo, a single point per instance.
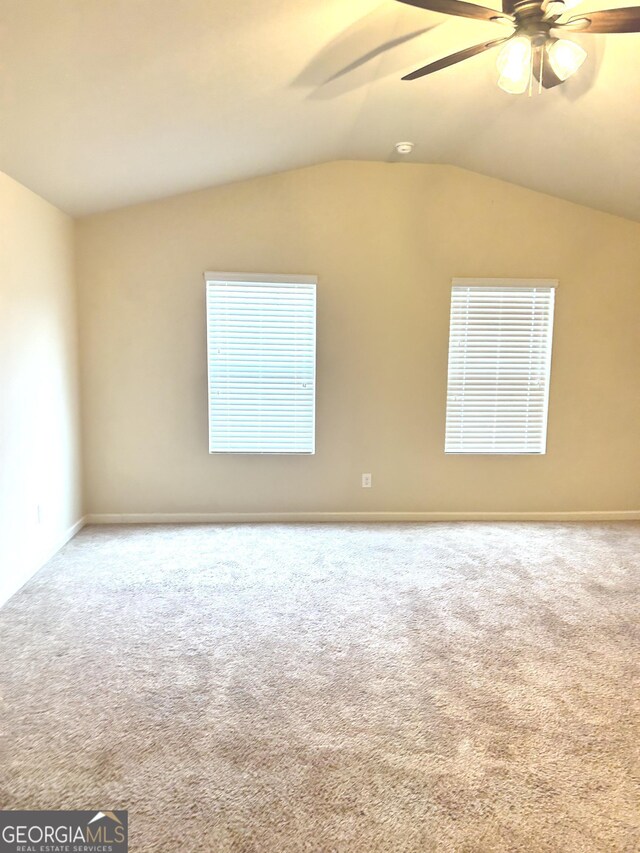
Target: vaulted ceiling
pixel 105 103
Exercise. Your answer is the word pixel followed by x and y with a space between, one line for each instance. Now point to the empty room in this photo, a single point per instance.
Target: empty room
pixel 319 426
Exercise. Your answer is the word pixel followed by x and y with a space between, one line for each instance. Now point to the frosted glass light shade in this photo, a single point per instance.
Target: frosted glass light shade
pixel 514 86
pixel 515 54
pixel 514 65
pixel 565 57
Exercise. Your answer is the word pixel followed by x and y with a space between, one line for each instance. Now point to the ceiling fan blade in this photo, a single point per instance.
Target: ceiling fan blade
pixel 553 10
pixel 461 55
pixel 608 21
pixel 459 7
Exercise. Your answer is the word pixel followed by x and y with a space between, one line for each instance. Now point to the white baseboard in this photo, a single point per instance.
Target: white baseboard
pixel 68 535
pixel 313 517
pixel 24 575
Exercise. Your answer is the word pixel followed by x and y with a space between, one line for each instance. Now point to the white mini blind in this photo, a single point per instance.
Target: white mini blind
pixel 261 341
pixel 499 367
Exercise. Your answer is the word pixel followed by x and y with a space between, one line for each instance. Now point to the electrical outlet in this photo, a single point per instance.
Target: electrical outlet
pixel 366 481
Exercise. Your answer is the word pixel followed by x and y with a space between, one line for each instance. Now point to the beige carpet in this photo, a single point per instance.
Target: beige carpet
pixel 358 689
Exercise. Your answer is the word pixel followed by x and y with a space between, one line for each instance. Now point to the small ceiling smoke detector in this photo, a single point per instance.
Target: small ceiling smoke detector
pixel 404 147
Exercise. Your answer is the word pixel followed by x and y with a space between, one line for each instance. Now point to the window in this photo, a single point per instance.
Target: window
pixel 499 366
pixel 261 342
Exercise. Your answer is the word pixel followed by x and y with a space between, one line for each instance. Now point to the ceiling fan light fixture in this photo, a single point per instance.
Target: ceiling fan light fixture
pixel 530 51
pixel 514 56
pixel 565 57
pixel 514 65
pixel 514 86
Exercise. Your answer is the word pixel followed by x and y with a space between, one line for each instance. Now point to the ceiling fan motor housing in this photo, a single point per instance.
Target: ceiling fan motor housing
pixel 529 21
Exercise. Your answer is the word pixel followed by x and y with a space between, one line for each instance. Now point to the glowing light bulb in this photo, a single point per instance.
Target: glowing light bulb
pixel 565 57
pixel 514 65
pixel 514 55
pixel 514 86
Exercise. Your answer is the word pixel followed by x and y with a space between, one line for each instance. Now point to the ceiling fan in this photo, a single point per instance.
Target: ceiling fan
pixel 533 48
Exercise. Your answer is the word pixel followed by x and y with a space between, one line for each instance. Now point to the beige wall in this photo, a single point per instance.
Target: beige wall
pixel 39 420
pixel 385 241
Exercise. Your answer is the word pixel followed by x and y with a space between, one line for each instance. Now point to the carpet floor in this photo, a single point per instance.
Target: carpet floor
pixel 395 688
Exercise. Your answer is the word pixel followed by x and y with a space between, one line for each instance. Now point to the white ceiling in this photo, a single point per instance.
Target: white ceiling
pixel 105 103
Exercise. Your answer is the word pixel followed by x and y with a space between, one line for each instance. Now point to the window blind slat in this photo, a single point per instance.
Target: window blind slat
pixel 261 363
pixel 499 367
